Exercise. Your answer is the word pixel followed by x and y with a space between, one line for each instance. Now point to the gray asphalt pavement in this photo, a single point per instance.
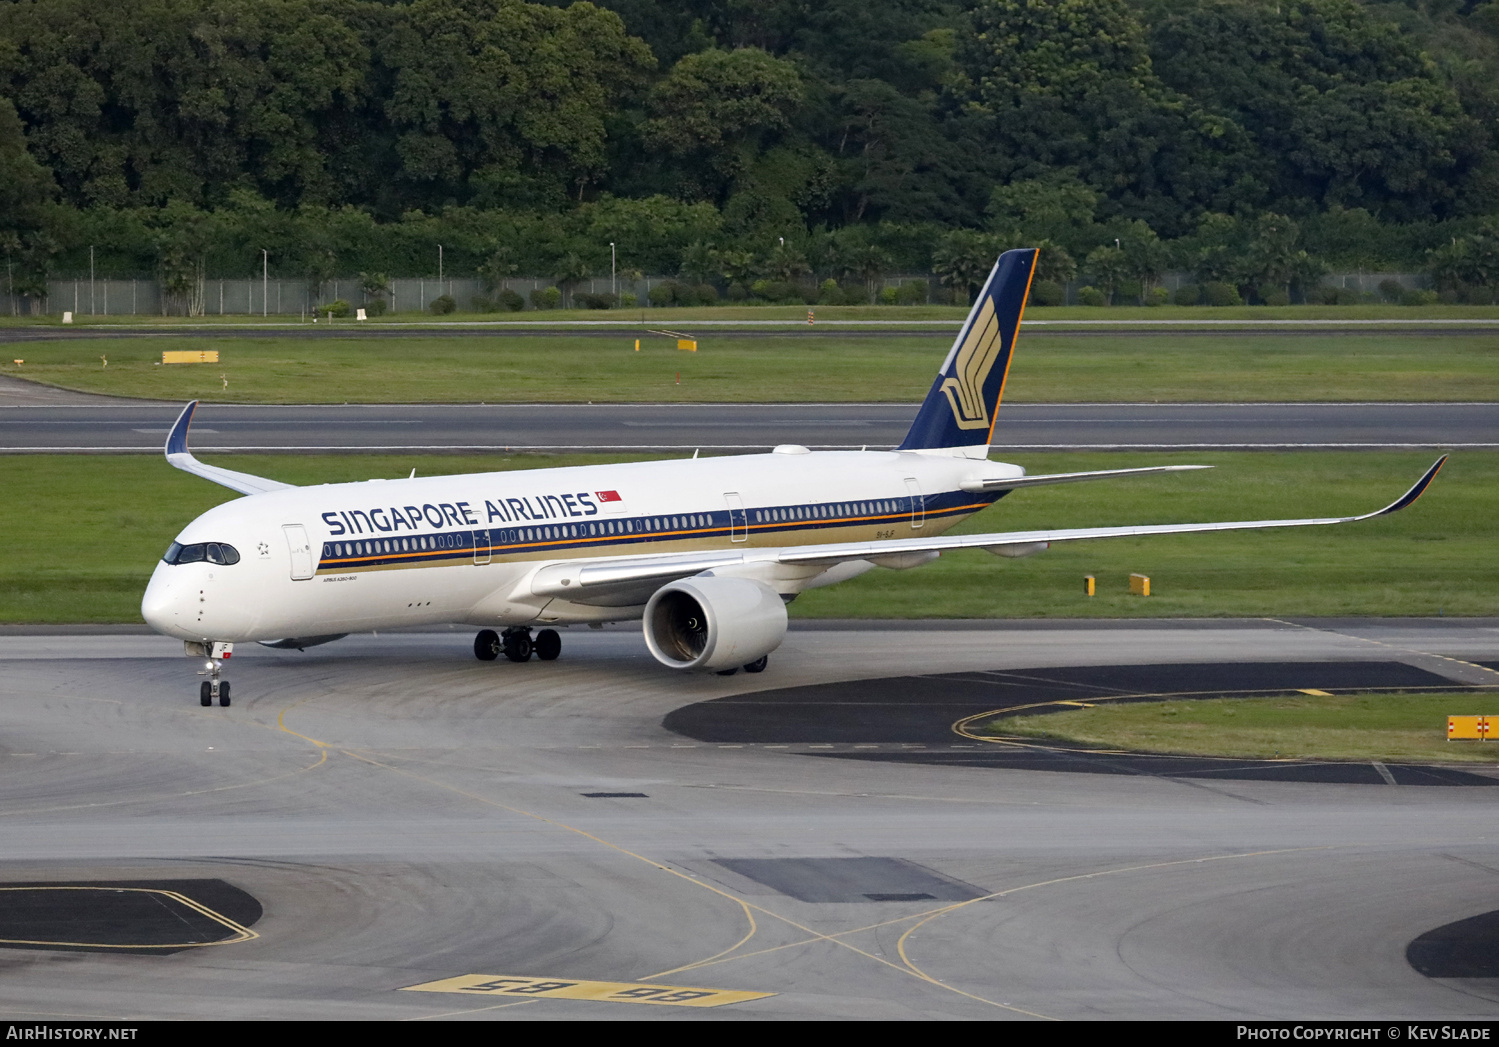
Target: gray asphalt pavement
pixel 405 814
pixel 102 425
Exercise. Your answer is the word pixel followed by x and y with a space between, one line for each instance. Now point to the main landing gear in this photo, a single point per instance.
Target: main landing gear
pixel 517 644
pixel 756 666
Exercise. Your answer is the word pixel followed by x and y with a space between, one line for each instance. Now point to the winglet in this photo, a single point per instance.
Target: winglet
pixel 180 457
pixel 1410 496
pixel 177 438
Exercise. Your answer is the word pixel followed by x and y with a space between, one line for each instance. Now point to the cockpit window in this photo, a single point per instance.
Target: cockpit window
pixel 213 552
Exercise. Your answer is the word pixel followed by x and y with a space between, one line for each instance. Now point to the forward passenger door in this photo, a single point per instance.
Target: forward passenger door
pixel 303 566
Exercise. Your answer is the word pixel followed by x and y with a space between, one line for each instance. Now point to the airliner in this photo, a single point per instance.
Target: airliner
pixel 705 552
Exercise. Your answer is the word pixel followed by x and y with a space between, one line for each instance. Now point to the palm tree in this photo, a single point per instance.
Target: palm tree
pixel 962 260
pixel 700 262
pixel 570 270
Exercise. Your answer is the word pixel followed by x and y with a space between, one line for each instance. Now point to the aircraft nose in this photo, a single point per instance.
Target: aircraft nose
pixel 160 605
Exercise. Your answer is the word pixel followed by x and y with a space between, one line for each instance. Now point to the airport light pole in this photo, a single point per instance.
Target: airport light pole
pixel 439 267
pixel 612 288
pixel 265 280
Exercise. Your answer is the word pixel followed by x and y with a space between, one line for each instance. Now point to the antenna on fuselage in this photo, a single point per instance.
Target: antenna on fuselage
pixel 413 473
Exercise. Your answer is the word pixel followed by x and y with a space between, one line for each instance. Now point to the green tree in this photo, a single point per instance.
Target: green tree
pixel 962 260
pixel 699 262
pixel 505 90
pixel 1108 266
pixel 26 188
pixel 716 110
pixel 497 267
pixel 1339 104
pixel 1272 256
pixel 1058 207
pixel 1069 85
pixel 785 263
pixel 570 271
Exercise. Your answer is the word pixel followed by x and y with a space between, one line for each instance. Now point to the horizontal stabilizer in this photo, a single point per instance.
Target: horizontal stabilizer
pixel 179 456
pixel 977 486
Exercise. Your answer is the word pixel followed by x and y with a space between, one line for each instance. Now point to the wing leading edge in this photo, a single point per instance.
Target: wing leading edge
pixel 178 455
pixel 575 578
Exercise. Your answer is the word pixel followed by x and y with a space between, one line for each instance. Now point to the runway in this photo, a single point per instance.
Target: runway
pixel 403 815
pixel 100 425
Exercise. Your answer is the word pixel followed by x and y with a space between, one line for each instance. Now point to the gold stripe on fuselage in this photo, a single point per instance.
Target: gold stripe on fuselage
pixel 713 539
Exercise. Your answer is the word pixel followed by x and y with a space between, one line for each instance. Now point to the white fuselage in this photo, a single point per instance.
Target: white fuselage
pixel 381 554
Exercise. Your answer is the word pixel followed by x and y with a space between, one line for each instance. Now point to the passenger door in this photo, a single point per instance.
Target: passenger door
pixel 738 523
pixel 303 566
pixel 918 503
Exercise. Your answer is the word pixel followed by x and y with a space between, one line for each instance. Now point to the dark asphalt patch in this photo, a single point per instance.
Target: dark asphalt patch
pixel 923 710
pixel 141 916
pixel 1464 949
pixel 852 879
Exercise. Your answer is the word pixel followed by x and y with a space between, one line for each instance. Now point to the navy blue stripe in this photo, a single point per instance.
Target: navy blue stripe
pixel 363 551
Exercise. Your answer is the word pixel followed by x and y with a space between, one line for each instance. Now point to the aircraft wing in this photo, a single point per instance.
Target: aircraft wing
pixel 179 456
pixel 576 578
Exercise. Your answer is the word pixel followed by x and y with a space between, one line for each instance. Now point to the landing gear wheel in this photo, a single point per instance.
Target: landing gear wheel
pixel 758 665
pixel 205 693
pixel 517 645
pixel 487 645
pixel 727 672
pixel 224 695
pixel 548 645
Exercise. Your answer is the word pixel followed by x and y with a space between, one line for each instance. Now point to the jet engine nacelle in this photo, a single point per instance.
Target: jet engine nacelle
pixel 709 623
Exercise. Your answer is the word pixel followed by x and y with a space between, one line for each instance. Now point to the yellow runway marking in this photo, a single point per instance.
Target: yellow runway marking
pixel 747 907
pixel 574 989
pixel 241 933
pixel 900 944
pixel 1394 647
pixel 468 1010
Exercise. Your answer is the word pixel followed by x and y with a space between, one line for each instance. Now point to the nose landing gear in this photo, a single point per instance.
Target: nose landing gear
pixel 213 687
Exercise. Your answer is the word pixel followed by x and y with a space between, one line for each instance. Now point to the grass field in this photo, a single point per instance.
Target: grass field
pixel 798 314
pixel 1386 727
pixel 82 534
pixel 772 368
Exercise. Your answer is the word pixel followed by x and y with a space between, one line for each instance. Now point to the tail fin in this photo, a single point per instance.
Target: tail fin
pixel 960 409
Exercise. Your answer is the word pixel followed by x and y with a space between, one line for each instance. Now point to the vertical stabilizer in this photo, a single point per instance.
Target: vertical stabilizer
pixel 960 409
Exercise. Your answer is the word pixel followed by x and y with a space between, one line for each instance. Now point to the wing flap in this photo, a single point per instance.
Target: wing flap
pixel 179 456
